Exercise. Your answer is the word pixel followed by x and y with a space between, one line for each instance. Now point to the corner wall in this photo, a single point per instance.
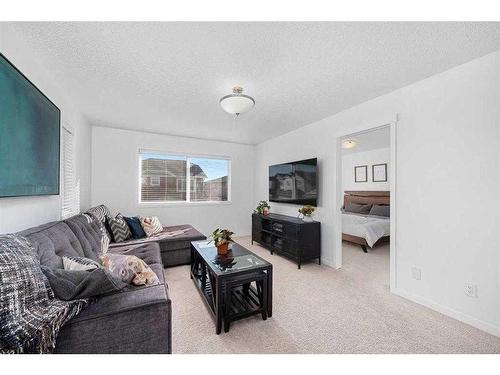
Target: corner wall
pixel 447 182
pixel 23 212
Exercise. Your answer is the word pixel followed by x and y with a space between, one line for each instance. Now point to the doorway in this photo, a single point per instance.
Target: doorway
pixel 365 214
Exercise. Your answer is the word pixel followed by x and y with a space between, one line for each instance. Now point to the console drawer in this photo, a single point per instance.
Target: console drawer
pixel 284 229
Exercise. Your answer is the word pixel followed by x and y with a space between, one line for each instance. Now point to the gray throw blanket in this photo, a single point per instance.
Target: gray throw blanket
pixel 70 285
pixel 30 315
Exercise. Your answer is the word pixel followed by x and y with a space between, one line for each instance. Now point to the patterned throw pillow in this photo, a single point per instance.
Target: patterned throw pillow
pixel 100 213
pixel 105 236
pixel 129 269
pixel 79 264
pixel 151 225
pixel 119 228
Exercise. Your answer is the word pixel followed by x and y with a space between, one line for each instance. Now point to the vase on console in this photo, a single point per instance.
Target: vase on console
pixel 307 212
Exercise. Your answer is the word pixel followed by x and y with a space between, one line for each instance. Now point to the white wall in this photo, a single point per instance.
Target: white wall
pixel 446 183
pixel 115 179
pixel 24 212
pixel 368 158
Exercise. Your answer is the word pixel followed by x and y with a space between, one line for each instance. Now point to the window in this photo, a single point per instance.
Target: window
pixel 70 204
pixel 182 178
pixel 155 181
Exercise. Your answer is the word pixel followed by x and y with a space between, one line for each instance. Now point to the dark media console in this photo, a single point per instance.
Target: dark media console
pixel 288 236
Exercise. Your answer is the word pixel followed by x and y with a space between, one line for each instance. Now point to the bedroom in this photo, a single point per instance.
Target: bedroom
pixel 365 197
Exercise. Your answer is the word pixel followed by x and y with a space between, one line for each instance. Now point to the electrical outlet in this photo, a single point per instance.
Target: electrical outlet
pixel 470 290
pixel 416 273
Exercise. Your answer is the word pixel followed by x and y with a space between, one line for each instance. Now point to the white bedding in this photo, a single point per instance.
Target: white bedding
pixel 371 228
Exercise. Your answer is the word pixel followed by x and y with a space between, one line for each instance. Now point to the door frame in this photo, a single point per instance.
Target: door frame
pixel 391 123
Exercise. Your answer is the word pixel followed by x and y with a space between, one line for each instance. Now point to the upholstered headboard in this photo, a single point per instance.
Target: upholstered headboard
pixel 367 197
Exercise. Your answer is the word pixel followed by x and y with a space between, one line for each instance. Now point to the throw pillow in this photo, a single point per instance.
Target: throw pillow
pixel 100 213
pixel 151 225
pixel 30 315
pixel 129 269
pixel 119 228
pixel 69 285
pixel 105 236
pixel 380 210
pixel 134 223
pixel 358 208
pixel 79 264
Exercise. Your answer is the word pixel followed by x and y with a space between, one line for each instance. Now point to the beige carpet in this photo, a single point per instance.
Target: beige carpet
pixel 321 310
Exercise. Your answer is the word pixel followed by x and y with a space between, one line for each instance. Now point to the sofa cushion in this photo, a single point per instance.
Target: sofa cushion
pixel 135 320
pixel 148 252
pixel 158 269
pixel 54 240
pixel 88 233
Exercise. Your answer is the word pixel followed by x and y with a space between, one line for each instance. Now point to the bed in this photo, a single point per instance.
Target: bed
pixel 365 229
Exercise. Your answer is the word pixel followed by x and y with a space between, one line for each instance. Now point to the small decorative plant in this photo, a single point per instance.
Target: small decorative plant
pixel 222 238
pixel 307 212
pixel 263 208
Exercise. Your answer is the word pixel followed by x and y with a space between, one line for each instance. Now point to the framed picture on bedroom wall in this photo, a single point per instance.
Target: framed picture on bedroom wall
pixel 379 172
pixel 361 173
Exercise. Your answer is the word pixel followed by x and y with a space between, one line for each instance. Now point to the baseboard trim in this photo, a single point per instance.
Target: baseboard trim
pixel 460 316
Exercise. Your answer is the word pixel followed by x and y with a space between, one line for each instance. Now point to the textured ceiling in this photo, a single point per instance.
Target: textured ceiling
pixel 168 77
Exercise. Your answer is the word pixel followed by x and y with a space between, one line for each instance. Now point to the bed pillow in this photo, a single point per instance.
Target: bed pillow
pixel 380 210
pixel 357 208
pixel 134 223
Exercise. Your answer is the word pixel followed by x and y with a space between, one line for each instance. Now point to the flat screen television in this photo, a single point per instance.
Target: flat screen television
pixel 295 182
pixel 29 136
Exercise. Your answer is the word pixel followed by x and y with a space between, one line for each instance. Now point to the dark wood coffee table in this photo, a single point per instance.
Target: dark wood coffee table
pixel 211 273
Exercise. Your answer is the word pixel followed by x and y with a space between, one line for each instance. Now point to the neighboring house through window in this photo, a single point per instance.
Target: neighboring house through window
pixel 183 178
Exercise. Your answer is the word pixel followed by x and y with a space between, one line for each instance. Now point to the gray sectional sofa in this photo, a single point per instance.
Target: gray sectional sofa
pixel 134 320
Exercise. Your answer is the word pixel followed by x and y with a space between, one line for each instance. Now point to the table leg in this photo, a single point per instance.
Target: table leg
pixel 193 262
pixel 265 298
pixel 218 305
pixel 227 307
pixel 270 292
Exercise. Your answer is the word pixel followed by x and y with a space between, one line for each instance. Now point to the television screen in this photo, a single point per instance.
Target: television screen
pixel 294 182
pixel 29 137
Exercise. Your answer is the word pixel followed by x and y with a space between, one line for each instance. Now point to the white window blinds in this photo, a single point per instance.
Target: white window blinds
pixel 181 178
pixel 70 204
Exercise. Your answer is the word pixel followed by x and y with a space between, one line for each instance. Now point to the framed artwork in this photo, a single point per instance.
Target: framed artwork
pixel 361 173
pixel 379 172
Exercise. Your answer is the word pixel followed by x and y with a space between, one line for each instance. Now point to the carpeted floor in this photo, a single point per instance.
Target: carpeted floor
pixel 321 310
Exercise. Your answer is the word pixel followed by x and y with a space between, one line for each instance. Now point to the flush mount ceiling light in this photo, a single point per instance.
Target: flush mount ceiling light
pixel 349 143
pixel 237 102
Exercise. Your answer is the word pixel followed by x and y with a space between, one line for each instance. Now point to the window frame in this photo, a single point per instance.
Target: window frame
pixel 188 201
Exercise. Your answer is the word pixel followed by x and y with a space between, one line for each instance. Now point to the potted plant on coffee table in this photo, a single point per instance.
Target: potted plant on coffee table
pixel 222 238
pixel 263 208
pixel 307 212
